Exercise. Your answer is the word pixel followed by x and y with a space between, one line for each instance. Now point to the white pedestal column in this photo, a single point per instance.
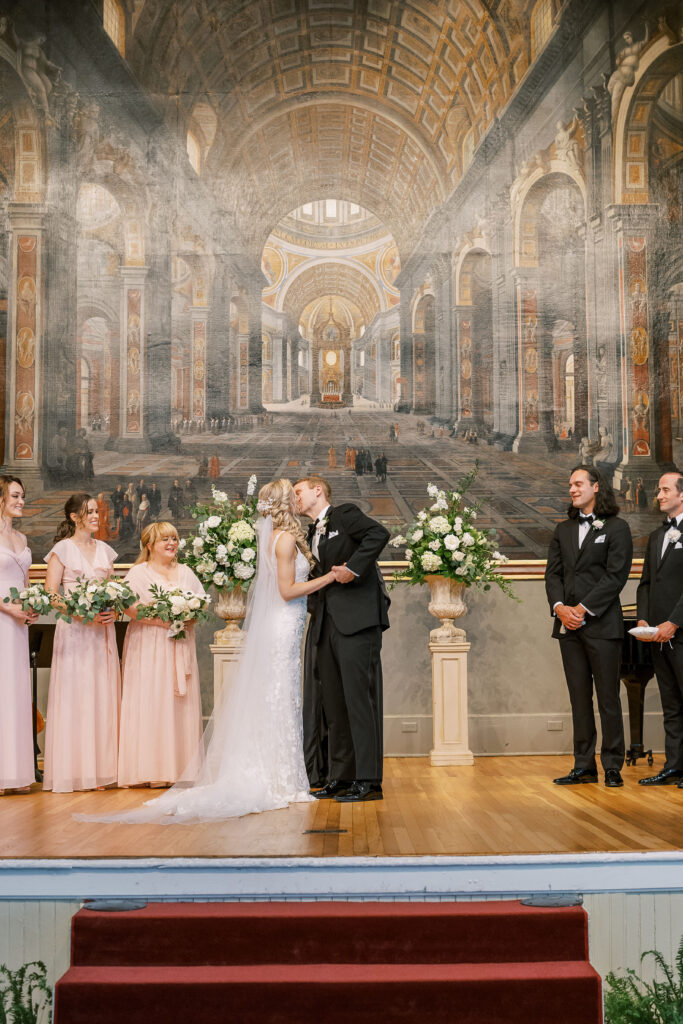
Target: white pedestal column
pixel 449 700
pixel 225 659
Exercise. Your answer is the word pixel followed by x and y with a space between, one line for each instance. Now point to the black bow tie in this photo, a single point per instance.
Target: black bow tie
pixel 586 519
pixel 670 522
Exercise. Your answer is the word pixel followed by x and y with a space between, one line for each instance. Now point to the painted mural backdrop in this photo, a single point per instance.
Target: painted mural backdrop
pixel 379 245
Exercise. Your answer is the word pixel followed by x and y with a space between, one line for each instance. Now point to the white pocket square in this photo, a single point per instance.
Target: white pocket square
pixel 678 545
pixel 600 540
pixel 334 533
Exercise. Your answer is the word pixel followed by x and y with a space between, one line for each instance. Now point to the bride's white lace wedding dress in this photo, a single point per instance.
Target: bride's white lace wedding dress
pixel 251 758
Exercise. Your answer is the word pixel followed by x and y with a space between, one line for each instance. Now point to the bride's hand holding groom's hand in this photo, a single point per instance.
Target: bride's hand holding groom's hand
pixel 342 574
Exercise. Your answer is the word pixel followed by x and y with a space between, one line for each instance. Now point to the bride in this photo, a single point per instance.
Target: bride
pixel 251 758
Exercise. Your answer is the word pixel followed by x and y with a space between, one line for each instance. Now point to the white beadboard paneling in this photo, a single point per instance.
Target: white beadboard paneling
pixel 37 930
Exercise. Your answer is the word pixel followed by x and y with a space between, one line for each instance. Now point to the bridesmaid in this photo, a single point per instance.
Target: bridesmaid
pixel 161 709
pixel 16 733
pixel 84 696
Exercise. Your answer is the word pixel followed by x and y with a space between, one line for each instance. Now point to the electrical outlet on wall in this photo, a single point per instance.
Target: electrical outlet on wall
pixel 409 726
pixel 555 725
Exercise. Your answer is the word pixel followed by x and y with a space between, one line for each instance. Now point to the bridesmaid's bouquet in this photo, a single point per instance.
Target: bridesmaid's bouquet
pixel 175 606
pixel 32 599
pixel 223 551
pixel 90 597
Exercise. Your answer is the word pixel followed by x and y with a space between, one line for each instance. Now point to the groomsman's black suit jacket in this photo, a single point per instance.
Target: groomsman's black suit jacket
pixel 593 575
pixel 353 538
pixel 660 591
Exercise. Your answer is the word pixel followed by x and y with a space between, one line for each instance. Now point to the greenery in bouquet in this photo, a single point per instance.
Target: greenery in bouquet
pixel 175 606
pixel 223 550
pixel 34 598
pixel 443 540
pixel 90 597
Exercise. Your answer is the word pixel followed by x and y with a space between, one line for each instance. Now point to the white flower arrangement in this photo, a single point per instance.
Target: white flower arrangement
pixel 175 606
pixel 90 597
pixel 34 598
pixel 449 543
pixel 224 550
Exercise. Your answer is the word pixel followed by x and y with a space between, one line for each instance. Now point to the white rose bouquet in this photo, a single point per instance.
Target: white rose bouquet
pixel 444 540
pixel 32 599
pixel 90 597
pixel 223 550
pixel 175 606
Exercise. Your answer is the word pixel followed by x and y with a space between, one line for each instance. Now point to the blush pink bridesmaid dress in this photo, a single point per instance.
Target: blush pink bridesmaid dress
pixel 16 735
pixel 161 708
pixel 82 726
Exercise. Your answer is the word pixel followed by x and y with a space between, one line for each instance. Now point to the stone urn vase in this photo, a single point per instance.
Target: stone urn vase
pixel 447 603
pixel 231 606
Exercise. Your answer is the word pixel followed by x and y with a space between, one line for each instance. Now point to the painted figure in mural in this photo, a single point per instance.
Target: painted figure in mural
pixel 589 560
pixel 189 496
pixel 81 739
pixel 117 505
pixel 144 514
pixel 16 734
pixel 606 455
pixel 154 496
pixel 660 604
pixel 161 707
pixel 641 495
pixel 628 61
pixel 175 499
pixel 104 531
pixel 38 74
pixel 347 620
pixel 567 146
pixel 214 466
pixel 332 457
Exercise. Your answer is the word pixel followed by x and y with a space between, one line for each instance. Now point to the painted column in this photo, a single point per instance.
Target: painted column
pixel 405 403
pixel 218 342
pixel 443 343
pixel 199 317
pixel 24 339
pixel 528 378
pixel 464 409
pixel 503 298
pixel 278 368
pixel 132 364
pixel 633 226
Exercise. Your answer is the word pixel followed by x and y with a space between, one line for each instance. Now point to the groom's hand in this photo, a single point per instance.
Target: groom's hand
pixel 342 574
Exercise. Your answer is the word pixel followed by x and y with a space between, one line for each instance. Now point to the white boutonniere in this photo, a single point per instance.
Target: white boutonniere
pixel 321 526
pixel 598 524
pixel 672 535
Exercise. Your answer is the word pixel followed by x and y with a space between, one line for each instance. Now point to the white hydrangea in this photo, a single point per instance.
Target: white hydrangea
pixel 439 524
pixel 434 545
pixel 457 525
pixel 219 578
pixel 230 547
pixel 241 531
pixel 221 553
pixel 197 544
pixel 467 539
pixel 220 496
pixel 213 521
pixel 440 505
pixel 430 561
pixel 397 541
pixel 248 555
pixel 243 571
pixel 421 516
pixel 409 555
pixel 497 557
pixel 451 541
pixel 416 536
pixel 458 556
pixel 473 515
pixel 432 490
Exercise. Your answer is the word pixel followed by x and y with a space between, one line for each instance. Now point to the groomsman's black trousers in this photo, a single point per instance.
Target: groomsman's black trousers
pixel 351 680
pixel 588 662
pixel 668 665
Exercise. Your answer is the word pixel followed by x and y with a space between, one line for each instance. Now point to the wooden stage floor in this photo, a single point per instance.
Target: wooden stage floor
pixel 502 805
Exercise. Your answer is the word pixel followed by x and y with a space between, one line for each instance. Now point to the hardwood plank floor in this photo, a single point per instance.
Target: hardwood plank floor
pixel 501 805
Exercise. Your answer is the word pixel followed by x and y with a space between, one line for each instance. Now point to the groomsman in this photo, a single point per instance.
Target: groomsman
pixel 660 604
pixel 588 564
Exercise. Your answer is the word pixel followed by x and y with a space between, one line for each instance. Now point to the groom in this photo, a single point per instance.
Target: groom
pixel 347 619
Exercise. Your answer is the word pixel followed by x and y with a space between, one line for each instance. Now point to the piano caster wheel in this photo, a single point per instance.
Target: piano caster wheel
pixel 650 760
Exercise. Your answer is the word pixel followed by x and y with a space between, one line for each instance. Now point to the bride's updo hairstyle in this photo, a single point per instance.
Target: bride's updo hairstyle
pixel 277 499
pixel 150 535
pixel 76 505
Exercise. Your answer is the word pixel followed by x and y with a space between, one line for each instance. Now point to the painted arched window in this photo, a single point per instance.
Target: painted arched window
pixel 114 22
pixel 541 26
pixel 193 151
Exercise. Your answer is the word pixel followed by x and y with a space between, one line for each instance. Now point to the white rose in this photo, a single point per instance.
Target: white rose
pixel 197 544
pixel 182 544
pixel 458 556
pixel 434 545
pixel 468 540
pixel 213 521
pixel 397 541
pixel 219 496
pixel 219 579
pixel 248 555
pixel 439 524
pixel 409 556
pixel 421 516
pixel 461 570
pixel 473 515
pixel 451 541
pixel 457 525
pixel 244 572
pixel 417 535
pixel 194 603
pixel 432 490
pixel 91 588
pixel 440 505
pixel 230 547
pixel 221 553
pixel 430 561
pixel 210 565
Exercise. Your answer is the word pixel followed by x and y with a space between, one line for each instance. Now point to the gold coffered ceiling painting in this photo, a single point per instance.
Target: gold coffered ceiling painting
pixel 377 102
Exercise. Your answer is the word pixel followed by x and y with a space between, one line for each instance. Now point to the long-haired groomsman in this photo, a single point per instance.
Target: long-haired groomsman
pixel 660 604
pixel 588 564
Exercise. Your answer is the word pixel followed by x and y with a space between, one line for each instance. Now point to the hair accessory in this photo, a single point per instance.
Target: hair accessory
pixel 264 504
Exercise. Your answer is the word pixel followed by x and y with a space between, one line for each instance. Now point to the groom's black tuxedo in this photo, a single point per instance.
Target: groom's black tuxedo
pixel 592 575
pixel 346 626
pixel 660 599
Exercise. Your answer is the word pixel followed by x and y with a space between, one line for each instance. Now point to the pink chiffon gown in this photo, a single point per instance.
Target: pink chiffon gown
pixel 82 726
pixel 161 707
pixel 16 734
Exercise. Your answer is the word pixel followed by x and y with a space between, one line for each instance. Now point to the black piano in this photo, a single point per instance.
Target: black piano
pixel 636 673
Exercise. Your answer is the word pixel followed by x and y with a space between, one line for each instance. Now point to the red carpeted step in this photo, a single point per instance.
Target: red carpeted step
pixel 542 993
pixel 352 933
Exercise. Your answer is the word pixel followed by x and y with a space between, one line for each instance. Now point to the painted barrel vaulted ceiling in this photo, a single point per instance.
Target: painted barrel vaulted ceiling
pixel 365 100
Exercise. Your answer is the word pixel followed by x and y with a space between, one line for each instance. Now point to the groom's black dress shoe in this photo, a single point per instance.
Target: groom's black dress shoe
pixel 613 778
pixel 667 777
pixel 332 789
pixel 361 791
pixel 577 776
